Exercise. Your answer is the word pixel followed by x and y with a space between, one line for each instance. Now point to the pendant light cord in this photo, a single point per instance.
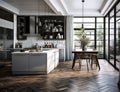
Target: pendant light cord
pixel 82 13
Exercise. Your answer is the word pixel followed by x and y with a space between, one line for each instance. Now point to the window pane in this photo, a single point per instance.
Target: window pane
pixel 77 25
pixel 99 25
pixel 100 20
pixel 89 25
pixel 89 20
pixel 77 20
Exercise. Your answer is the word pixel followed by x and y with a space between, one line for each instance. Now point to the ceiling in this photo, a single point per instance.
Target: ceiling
pixel 59 7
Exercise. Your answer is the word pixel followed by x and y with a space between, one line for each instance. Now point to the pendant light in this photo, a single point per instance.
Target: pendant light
pixel 82 13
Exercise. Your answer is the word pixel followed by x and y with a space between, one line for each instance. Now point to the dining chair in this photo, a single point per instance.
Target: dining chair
pixel 94 60
pixel 86 57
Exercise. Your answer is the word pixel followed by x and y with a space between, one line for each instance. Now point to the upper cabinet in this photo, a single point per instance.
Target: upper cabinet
pixel 48 27
pixel 52 27
pixel 23 27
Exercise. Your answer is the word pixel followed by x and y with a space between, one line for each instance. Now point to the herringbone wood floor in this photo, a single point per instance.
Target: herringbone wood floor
pixel 62 79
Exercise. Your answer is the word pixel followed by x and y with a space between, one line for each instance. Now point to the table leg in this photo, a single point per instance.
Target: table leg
pixel 98 62
pixel 73 64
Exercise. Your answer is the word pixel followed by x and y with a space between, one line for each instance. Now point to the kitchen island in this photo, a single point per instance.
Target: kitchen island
pixel 35 62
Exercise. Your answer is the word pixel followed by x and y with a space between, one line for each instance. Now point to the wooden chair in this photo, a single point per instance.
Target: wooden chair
pixel 86 57
pixel 94 60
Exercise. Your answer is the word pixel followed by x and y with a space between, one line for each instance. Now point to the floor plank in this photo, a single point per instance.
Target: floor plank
pixel 62 79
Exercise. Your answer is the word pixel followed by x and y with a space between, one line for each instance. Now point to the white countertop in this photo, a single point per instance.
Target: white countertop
pixel 44 50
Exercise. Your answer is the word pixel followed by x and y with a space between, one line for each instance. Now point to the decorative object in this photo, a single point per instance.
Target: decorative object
pixel 18 45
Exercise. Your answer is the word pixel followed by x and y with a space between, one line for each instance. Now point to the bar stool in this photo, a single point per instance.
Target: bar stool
pixel 94 60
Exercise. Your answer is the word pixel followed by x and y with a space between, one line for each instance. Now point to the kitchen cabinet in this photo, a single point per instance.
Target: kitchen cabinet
pixel 56 58
pixel 35 62
pixel 61 54
pixel 23 27
pixel 20 63
pixel 52 27
pixel 5 54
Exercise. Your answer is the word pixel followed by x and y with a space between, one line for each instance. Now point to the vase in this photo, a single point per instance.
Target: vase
pixel 84 48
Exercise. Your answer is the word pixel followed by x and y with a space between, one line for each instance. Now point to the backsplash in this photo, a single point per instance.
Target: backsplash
pixel 31 41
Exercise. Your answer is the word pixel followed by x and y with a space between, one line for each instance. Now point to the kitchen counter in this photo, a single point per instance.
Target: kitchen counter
pixel 33 51
pixel 35 62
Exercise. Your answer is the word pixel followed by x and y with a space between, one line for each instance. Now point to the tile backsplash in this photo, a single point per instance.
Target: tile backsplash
pixel 31 41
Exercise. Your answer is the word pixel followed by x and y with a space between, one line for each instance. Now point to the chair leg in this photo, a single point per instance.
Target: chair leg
pixel 87 65
pixel 91 62
pixel 80 64
pixel 97 63
pixel 94 60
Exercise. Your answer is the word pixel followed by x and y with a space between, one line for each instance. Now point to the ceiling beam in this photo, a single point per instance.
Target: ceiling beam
pixel 51 5
pixel 8 7
pixel 107 6
pixel 64 6
pixel 58 6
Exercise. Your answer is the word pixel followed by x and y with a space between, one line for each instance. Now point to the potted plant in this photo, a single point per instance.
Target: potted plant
pixel 84 40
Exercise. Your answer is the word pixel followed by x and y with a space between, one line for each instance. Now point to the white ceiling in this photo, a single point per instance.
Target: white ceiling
pixel 88 4
pixel 64 7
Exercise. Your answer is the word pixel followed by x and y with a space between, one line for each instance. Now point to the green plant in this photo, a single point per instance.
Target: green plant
pixel 84 40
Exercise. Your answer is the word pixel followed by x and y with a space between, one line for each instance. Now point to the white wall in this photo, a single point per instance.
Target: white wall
pixel 6 24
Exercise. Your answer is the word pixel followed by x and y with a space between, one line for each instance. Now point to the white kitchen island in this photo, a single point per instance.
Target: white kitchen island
pixel 40 62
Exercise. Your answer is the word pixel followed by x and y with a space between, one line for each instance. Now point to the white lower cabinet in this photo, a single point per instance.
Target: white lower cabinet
pixel 56 58
pixel 34 63
pixel 50 62
pixel 20 62
pixel 37 63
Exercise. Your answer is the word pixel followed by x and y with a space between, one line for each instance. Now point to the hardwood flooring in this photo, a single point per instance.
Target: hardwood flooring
pixel 61 79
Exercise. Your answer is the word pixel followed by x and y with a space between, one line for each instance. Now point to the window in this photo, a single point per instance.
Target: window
pixel 93 29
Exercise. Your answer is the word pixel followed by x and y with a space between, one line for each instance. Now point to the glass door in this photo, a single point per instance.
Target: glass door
pixel 117 36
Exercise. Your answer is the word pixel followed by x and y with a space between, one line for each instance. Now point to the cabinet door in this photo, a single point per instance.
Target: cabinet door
pixel 50 61
pixel 2 55
pixel 62 54
pixel 56 55
pixel 38 62
pixel 20 62
pixel 23 25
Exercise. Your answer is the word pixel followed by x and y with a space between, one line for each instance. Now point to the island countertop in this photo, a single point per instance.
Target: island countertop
pixel 34 51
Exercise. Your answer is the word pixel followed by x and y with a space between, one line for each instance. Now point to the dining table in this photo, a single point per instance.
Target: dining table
pixel 79 52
